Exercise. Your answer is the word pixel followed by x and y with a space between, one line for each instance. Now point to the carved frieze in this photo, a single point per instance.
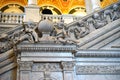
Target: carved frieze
pixel 25 65
pixel 68 66
pixel 46 67
pixel 60 33
pixel 97 69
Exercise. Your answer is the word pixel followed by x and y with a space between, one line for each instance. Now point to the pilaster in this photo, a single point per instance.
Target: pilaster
pixel 68 70
pixel 25 70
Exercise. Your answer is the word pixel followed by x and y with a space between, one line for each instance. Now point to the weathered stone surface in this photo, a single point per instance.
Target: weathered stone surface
pixel 81 50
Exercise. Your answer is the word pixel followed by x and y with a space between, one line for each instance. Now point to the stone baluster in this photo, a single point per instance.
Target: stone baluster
pixel 17 18
pixel 0 16
pixel 3 18
pixel 61 18
pixel 6 18
pixel 14 18
pixel 57 18
pixel 9 18
pixel 53 18
pixel 21 18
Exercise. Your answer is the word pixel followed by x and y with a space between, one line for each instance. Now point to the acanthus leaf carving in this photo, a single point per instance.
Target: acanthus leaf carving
pixel 68 66
pixel 25 65
pixel 47 67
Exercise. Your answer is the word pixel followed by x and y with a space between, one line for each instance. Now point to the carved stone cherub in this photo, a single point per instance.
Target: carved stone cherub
pixel 81 30
pixel 99 21
pixel 29 33
pixel 108 13
pixel 116 12
pixel 90 23
pixel 60 32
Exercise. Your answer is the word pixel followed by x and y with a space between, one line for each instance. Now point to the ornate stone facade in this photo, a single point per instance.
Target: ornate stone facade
pixel 86 49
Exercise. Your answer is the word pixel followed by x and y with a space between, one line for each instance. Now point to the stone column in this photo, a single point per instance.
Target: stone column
pixel 32 2
pixel 95 5
pixel 68 70
pixel 88 6
pixel 92 5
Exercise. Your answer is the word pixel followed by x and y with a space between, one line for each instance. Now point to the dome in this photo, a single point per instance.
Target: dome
pixel 45 26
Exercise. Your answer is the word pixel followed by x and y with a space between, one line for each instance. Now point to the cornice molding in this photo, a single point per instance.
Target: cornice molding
pixel 45 47
pixel 98 53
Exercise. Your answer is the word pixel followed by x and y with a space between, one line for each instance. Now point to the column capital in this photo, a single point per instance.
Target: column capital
pixel 68 66
pixel 25 65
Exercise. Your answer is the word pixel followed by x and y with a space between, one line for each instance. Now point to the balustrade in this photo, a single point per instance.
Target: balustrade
pixel 11 18
pixel 58 18
pixel 109 14
pixel 18 18
pixel 99 18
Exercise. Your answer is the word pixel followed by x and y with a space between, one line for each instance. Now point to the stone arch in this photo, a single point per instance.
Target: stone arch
pixel 53 9
pixel 80 10
pixel 12 8
pixel 46 11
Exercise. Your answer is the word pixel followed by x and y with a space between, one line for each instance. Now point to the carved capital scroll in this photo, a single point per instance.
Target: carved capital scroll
pixel 25 65
pixel 68 66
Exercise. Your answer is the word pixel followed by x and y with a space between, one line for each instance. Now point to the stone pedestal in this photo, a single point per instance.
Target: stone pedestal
pixel 68 70
pixel 32 14
pixel 25 70
pixel 42 61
